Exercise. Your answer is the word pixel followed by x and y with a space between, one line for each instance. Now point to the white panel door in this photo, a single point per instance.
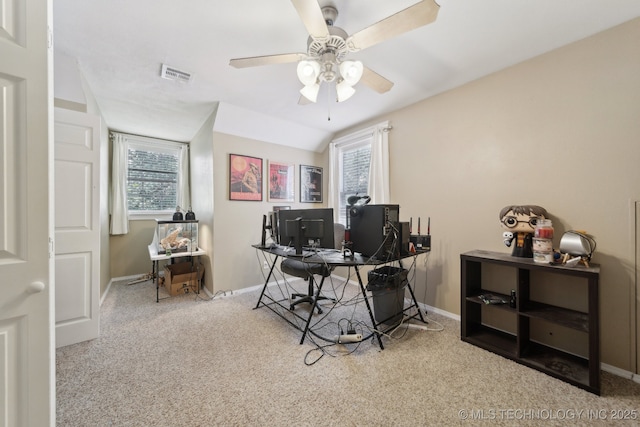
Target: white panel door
pixel 27 353
pixel 77 190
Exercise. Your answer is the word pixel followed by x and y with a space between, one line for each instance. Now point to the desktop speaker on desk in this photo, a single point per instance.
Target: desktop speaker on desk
pixel 371 230
pixel 403 236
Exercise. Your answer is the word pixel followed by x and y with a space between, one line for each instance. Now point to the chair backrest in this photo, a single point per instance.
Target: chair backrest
pixel 338 234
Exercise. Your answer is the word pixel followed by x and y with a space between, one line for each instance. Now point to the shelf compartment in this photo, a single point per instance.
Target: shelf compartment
pixel 476 299
pixel 561 365
pixel 562 316
pixel 491 339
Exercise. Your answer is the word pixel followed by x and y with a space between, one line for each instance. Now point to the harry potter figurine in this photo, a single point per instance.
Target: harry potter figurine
pixel 520 222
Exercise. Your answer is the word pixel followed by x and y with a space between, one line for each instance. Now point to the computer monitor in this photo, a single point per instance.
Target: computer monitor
pixel 300 228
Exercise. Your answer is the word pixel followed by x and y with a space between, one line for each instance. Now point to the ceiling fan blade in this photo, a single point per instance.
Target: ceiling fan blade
pixel 255 61
pixel 375 81
pixel 421 13
pixel 312 17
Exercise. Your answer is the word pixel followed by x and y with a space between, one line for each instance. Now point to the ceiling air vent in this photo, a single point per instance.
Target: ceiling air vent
pixel 171 73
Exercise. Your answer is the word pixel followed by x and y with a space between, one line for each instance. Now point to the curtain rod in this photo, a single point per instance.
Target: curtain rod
pixel 111 132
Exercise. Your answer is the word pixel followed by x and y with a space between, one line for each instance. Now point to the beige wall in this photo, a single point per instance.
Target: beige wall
pixel 202 192
pixel 238 224
pixel 560 131
pixel 92 108
pixel 129 253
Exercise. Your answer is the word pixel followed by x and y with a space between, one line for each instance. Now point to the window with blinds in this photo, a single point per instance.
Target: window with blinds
pixel 152 180
pixel 354 161
pixel 153 176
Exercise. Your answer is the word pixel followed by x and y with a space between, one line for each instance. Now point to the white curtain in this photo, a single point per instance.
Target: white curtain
pixel 184 199
pixel 119 219
pixel 379 167
pixel 333 195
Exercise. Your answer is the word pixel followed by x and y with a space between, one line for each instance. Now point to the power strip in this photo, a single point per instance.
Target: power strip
pixel 341 339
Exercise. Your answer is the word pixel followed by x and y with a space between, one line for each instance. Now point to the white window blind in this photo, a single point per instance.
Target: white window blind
pixel 354 174
pixel 152 177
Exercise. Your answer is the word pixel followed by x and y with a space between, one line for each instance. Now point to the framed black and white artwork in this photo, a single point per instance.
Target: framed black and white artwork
pixel 310 184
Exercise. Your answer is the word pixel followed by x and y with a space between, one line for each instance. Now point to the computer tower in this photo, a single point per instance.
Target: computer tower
pixel 371 229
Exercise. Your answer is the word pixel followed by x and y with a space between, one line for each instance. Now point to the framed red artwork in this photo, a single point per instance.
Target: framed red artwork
pixel 281 182
pixel 245 178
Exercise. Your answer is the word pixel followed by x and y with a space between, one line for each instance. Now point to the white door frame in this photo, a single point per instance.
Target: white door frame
pixel 27 287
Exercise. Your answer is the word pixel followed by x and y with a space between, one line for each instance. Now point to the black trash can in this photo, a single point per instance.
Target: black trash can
pixel 386 285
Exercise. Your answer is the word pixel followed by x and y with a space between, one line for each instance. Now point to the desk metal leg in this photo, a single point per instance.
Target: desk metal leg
pixel 415 302
pixel 413 297
pixel 156 274
pixel 366 301
pixel 266 282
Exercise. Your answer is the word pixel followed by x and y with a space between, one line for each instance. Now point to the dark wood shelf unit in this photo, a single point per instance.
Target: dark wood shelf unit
pixel 476 299
pixel 558 364
pixel 562 316
pixel 493 340
pixel 583 372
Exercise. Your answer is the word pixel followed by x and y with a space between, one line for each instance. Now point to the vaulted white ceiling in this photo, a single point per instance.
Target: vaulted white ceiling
pixel 120 46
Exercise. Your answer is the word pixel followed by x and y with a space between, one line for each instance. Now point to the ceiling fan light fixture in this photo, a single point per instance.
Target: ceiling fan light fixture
pixel 308 72
pixel 351 71
pixel 311 92
pixel 328 45
pixel 344 91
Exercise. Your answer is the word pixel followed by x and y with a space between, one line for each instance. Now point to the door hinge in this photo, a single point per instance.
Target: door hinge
pixel 49 38
pixel 51 248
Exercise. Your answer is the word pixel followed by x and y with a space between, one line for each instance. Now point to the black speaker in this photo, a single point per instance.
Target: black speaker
pixel 403 237
pixel 371 229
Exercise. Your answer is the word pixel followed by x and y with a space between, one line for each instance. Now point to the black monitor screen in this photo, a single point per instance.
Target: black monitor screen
pixel 306 227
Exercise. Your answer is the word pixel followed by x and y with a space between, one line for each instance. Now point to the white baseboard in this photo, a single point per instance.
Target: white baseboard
pixel 134 276
pixel 118 279
pixel 430 309
pixel 206 291
pixel 106 292
pixel 248 289
pixel 617 371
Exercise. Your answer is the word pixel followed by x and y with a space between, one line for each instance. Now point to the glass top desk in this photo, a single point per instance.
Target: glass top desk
pixel 331 258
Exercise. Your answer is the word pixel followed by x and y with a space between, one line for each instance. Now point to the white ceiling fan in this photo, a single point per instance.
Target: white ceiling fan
pixel 328 46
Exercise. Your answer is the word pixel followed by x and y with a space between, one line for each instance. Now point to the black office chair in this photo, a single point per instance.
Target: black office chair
pixel 307 271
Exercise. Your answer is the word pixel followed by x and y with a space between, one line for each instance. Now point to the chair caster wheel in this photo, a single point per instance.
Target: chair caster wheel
pixel 291 307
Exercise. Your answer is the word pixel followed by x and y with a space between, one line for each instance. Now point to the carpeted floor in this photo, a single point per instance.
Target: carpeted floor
pixel 186 361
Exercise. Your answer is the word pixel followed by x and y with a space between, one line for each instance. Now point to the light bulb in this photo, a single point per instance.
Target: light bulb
pixel 308 72
pixel 351 71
